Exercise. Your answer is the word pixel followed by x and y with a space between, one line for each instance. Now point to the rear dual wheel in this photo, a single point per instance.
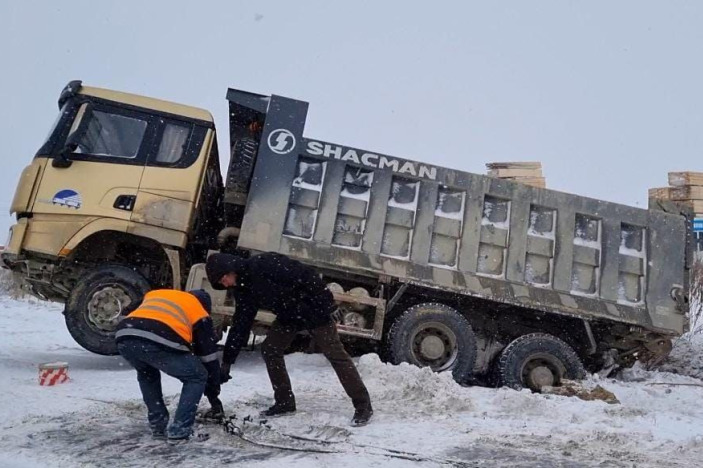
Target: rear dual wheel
pixel 537 360
pixel 435 336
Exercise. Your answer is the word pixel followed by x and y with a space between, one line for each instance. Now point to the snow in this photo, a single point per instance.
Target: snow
pixel 587 243
pixel 544 234
pixel 97 419
pixel 631 252
pixel 499 224
pixel 457 215
pixel 303 167
pixel 534 219
pixel 410 206
pixel 364 196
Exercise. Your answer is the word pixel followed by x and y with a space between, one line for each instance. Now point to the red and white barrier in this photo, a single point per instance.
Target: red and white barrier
pixel 52 373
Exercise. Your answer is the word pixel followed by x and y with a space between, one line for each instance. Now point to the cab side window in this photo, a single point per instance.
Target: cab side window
pixel 177 143
pixel 105 133
pixel 111 135
pixel 173 143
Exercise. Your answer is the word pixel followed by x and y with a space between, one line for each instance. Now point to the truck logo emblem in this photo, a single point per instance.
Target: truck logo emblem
pixel 69 198
pixel 281 141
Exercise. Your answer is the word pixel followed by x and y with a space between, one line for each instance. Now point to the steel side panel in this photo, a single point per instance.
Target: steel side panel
pixel 424 220
pixel 586 255
pixel 540 246
pixel 480 286
pixel 473 212
pixel 666 259
pixel 517 244
pixel 376 218
pixel 447 227
pixel 632 265
pixel 271 191
pixel 564 249
pixel 610 255
pixel 352 207
pixel 331 188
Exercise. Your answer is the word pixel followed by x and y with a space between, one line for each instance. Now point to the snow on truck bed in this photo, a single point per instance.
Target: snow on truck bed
pixel 421 419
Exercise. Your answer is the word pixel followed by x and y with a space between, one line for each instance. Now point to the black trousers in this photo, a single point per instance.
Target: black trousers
pixel 327 339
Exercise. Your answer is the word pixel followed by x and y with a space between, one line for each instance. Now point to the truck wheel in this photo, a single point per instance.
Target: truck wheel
pixel 538 359
pixel 98 303
pixel 436 336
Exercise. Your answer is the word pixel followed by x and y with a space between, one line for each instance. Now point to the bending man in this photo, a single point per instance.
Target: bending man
pixel 300 301
pixel 171 331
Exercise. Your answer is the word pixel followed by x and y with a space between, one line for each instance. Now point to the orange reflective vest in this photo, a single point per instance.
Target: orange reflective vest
pixel 178 310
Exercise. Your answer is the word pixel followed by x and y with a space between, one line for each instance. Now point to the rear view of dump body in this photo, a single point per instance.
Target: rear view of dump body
pixel 394 220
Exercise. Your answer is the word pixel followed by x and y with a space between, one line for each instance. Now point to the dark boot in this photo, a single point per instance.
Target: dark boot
pixel 279 409
pixel 216 412
pixel 362 416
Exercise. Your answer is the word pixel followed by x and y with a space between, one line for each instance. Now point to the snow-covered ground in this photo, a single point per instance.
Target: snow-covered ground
pixel 422 419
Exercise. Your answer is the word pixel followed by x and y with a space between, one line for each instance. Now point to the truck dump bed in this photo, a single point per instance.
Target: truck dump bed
pixel 372 214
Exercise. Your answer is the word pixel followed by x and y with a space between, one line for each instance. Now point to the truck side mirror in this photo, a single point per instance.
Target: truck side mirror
pixel 62 160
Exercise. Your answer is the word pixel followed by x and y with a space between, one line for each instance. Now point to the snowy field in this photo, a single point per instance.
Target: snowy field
pixel 422 419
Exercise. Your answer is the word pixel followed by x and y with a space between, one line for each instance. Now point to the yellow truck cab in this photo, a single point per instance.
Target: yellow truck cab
pixel 112 205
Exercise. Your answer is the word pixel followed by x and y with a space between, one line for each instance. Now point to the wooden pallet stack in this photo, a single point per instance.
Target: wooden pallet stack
pixel 684 187
pixel 529 173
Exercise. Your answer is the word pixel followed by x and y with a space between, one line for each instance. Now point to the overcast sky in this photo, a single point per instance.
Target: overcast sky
pixel 607 95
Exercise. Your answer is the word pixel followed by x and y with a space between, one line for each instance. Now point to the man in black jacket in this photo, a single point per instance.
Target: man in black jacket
pixel 300 301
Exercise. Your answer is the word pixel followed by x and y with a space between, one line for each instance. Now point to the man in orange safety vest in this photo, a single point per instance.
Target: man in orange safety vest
pixel 171 331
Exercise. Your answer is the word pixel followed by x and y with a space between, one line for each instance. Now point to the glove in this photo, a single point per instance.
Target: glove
pixel 224 372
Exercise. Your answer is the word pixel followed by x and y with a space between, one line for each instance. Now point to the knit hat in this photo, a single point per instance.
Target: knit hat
pixel 219 264
pixel 204 298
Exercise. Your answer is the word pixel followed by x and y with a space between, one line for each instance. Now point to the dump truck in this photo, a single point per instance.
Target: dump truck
pixel 460 272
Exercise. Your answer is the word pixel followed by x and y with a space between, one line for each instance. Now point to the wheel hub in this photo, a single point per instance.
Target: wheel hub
pixel 435 345
pixel 106 306
pixel 542 369
pixel 541 376
pixel 432 347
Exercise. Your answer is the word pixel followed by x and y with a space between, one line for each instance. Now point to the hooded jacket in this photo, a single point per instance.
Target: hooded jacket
pixel 270 281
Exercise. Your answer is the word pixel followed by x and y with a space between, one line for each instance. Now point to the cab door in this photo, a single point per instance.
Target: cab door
pixel 171 180
pixel 100 177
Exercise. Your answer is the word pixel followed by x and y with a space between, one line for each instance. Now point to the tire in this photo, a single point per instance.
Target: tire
pixel 96 305
pixel 436 336
pixel 538 359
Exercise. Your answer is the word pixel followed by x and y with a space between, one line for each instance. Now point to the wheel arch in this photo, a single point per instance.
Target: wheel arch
pixel 156 261
pixel 92 228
